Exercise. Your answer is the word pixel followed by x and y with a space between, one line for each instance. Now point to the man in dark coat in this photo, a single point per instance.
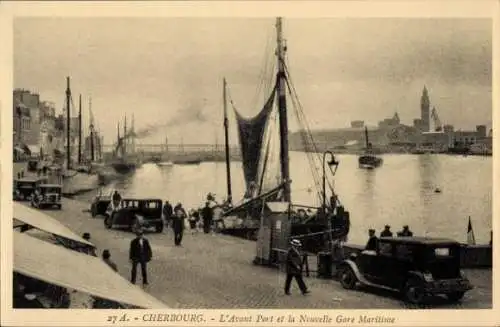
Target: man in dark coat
pixel 405 232
pixel 178 224
pixel 106 257
pixel 372 244
pixel 167 212
pixel 386 232
pixel 116 198
pixel 140 253
pixel 294 268
pixel 207 214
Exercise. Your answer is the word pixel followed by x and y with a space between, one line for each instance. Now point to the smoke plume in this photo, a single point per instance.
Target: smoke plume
pixel 193 113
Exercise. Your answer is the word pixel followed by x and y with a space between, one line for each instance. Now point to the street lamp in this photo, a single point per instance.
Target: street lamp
pixel 331 163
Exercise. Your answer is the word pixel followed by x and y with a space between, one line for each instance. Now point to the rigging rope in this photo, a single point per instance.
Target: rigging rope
pixel 306 135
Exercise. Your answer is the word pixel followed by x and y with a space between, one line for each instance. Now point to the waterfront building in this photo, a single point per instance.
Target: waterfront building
pixel 424 111
pixel 27 126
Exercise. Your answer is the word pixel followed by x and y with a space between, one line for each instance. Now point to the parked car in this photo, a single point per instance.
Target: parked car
pixel 47 195
pixel 417 267
pixel 33 165
pixel 135 213
pixel 100 204
pixel 24 188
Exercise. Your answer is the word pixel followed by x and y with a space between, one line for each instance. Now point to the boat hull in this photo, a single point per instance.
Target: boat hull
pixel 124 168
pixel 369 162
pixel 165 164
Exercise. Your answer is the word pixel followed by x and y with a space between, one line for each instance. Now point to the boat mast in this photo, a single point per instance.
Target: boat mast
pixel 68 123
pixel 285 166
pixel 80 129
pixel 92 157
pixel 226 141
pixel 125 140
pixel 367 140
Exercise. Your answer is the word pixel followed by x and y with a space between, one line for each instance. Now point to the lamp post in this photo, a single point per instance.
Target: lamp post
pixel 332 162
pixel 335 163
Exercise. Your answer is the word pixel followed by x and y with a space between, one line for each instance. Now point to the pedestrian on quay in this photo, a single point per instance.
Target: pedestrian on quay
pixel 140 253
pixel 86 237
pixel 116 199
pixel 178 223
pixel 405 232
pixel 207 213
pixel 372 244
pixel 294 267
pixel 194 217
pixel 386 232
pixel 167 213
pixel 106 257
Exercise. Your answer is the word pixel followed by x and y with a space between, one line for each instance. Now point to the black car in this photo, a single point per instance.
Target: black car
pixel 417 267
pixel 47 195
pixel 33 165
pixel 24 188
pixel 100 205
pixel 136 213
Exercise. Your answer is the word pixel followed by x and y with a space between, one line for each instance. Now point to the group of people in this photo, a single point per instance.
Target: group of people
pixel 372 243
pixel 176 217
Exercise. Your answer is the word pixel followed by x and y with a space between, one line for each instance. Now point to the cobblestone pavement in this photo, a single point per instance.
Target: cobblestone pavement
pixel 216 271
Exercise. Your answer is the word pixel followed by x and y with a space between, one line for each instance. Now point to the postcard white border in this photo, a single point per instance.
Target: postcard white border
pixel 9 10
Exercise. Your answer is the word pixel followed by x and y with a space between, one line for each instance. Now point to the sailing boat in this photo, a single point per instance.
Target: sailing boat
pixel 124 162
pixel 368 160
pixel 166 163
pixel 75 181
pixel 267 202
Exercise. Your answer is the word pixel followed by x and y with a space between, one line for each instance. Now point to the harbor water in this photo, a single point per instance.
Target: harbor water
pixel 400 192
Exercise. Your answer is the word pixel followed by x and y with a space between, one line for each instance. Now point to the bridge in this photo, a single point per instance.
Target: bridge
pixel 188 148
pixel 150 152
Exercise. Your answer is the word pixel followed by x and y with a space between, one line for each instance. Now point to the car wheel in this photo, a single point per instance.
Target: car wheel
pixel 108 223
pixel 455 296
pixel 413 292
pixel 159 227
pixel 347 278
pixel 59 206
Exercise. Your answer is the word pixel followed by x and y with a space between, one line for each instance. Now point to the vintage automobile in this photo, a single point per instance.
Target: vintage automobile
pixel 417 267
pixel 47 195
pixel 33 165
pixel 133 213
pixel 24 188
pixel 100 204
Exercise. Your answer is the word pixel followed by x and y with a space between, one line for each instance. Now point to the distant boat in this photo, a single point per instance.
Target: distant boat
pixel 123 162
pixel 165 164
pixel 368 160
pixel 187 162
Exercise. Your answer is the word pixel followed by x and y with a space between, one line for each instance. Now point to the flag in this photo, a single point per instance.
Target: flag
pixel 471 240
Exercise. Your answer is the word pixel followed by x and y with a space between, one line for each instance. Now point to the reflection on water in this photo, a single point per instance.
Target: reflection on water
pixel 401 191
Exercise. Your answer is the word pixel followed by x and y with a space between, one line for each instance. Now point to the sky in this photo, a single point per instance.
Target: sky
pixel 168 71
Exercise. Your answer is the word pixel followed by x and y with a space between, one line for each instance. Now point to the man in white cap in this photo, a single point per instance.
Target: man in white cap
pixel 294 268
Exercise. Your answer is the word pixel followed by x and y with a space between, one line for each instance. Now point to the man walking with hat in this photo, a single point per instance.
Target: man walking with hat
pixel 294 268
pixel 140 253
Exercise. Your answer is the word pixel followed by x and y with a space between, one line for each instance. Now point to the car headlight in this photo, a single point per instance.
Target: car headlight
pixel 428 277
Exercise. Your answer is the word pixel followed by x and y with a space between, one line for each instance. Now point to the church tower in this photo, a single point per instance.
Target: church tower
pixel 424 110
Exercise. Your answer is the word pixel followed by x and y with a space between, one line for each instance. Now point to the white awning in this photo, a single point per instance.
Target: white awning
pixel 44 222
pixel 88 274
